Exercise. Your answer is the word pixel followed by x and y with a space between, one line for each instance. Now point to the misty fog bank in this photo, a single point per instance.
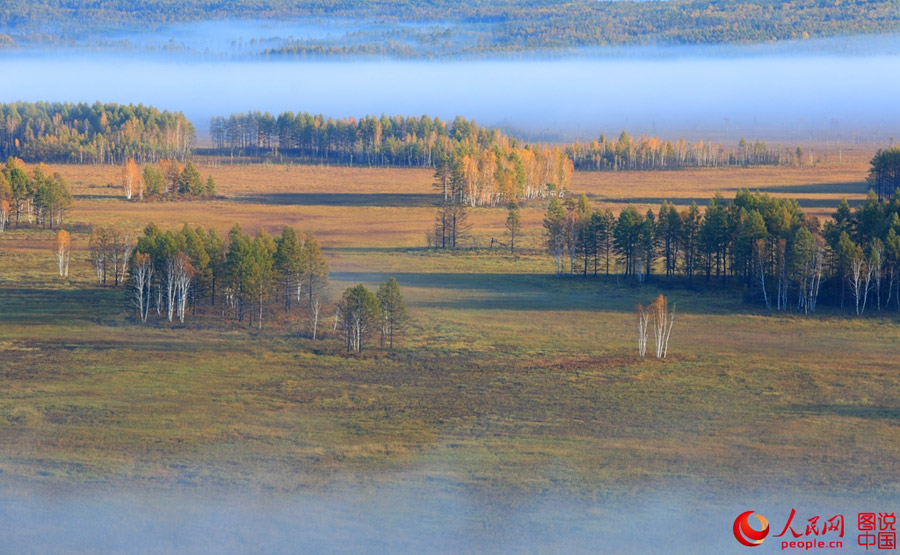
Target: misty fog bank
pixel 792 97
pixel 418 517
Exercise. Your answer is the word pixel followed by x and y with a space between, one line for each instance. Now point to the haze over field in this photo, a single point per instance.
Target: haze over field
pixel 758 92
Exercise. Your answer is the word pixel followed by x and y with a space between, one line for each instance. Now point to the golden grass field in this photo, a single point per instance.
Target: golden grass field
pixel 509 379
pixel 377 207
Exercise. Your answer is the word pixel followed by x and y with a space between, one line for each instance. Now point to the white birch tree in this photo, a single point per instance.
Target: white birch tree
pixel 63 247
pixel 142 274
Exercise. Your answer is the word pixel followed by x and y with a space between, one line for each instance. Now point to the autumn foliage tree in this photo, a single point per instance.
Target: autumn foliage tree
pixel 131 180
pixel 63 248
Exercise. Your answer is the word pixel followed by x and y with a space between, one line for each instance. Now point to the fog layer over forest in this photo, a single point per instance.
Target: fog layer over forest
pixel 695 92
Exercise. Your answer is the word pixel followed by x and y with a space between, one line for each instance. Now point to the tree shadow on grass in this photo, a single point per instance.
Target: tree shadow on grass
pixel 388 200
pixel 40 306
pixel 837 188
pixel 498 291
pixel 704 201
pixel 850 411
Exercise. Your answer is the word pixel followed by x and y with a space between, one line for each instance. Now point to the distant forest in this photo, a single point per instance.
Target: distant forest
pixel 476 26
pixel 112 134
pixel 425 142
pixel 92 133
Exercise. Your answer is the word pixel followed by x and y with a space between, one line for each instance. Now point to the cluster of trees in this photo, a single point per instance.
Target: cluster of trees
pixel 865 247
pixel 167 179
pixel 362 315
pixel 884 173
pixel 652 153
pixel 779 255
pixel 242 277
pixel 92 133
pixel 659 318
pixel 489 167
pixel 490 177
pixel 172 273
pixel 38 196
pixel 765 243
pixel 110 249
pixel 482 26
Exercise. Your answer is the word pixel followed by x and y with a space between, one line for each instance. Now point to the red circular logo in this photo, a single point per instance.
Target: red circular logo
pixel 745 534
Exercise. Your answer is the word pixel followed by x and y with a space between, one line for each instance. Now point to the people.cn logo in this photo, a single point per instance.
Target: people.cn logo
pixel 745 533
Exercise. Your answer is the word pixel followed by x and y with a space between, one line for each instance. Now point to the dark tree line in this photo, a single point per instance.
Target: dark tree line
pixel 768 246
pixel 92 133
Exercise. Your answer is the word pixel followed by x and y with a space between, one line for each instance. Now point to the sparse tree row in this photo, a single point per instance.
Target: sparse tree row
pixel 495 163
pixel 166 180
pixel 651 153
pixel 778 255
pixel 93 133
pixel 34 196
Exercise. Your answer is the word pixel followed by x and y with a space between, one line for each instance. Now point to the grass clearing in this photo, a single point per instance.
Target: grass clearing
pixel 509 381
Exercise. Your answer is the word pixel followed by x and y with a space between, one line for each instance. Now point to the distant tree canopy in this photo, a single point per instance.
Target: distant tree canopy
pixel 495 166
pixel 652 153
pixel 92 133
pixel 478 26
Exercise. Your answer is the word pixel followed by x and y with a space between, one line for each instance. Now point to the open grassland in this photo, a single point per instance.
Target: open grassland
pixel 509 380
pixel 390 208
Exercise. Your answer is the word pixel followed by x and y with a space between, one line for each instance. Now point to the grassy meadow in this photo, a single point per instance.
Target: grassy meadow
pixel 508 379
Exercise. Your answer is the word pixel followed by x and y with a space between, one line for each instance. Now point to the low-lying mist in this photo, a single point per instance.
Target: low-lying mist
pixel 415 516
pixel 758 92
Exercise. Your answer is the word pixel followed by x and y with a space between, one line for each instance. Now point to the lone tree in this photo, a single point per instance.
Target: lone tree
pixel 513 225
pixel 554 224
pixel 660 319
pixel 393 311
pixel 359 314
pixel 142 279
pixel 315 272
pixel 131 180
pixel 63 244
